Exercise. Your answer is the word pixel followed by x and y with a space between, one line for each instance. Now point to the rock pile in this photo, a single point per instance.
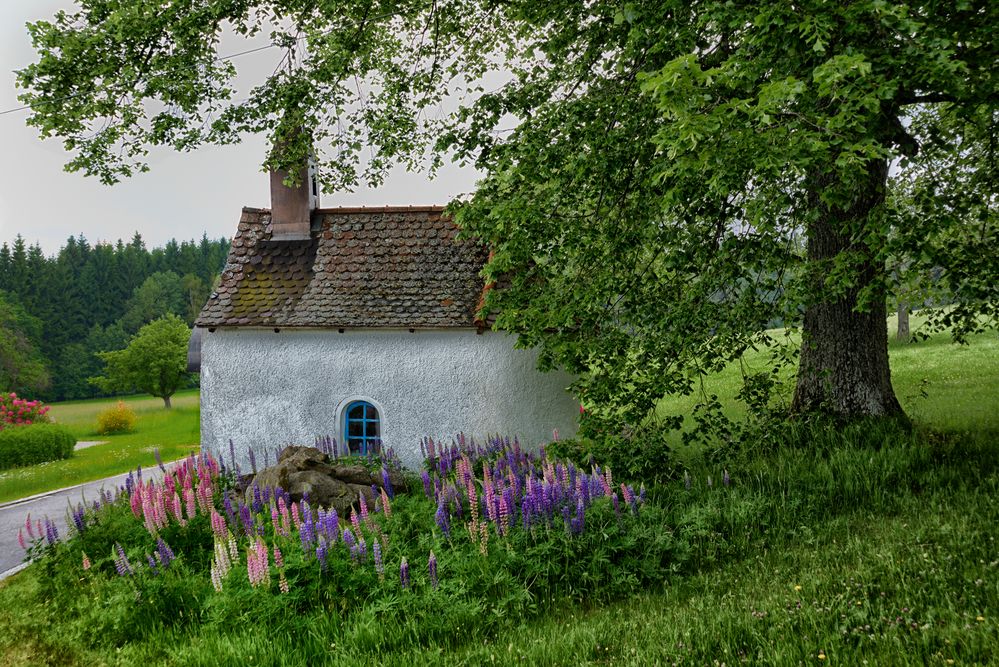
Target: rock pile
pixel 306 470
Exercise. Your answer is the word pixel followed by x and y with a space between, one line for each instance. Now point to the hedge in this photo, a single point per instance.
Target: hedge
pixel 38 443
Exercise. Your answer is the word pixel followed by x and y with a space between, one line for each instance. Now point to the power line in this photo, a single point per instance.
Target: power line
pixel 218 59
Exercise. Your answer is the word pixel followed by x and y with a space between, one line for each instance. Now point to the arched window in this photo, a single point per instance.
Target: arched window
pixel 362 428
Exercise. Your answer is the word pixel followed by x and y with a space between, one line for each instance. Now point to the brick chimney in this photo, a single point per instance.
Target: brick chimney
pixel 291 207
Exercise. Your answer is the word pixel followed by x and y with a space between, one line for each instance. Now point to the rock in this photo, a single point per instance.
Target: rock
pixel 306 470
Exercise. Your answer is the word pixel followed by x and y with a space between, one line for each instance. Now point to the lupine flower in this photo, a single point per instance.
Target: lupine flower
pixel 159 459
pixel 86 561
pixel 432 568
pixel 617 505
pixel 258 502
pixel 726 480
pixel 321 554
pixel 27 525
pixel 641 494
pixel 152 564
pixel 404 573
pixel 20 539
pixel 253 461
pixel 387 483
pixel 379 566
pixel 427 490
pixel 51 533
pixel 386 506
pixel 278 558
pixel 364 508
pixel 121 563
pixel 442 519
pixel 295 518
pixel 164 552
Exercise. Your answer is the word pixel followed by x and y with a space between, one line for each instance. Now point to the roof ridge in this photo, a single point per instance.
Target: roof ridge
pixel 419 208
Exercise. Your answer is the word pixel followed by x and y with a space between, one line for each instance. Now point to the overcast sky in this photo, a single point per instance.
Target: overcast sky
pixel 182 196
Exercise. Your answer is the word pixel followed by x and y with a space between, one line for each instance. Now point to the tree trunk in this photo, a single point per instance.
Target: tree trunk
pixel 902 334
pixel 843 369
pixel 166 402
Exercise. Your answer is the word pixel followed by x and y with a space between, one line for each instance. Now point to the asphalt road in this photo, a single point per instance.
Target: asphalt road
pixel 55 504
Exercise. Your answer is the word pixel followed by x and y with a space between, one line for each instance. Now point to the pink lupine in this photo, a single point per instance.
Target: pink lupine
pixel 295 518
pixel 276 521
pixel 86 562
pixel 386 506
pixel 20 539
pixel 354 520
pixel 283 511
pixel 364 508
pixel 189 501
pixel 278 558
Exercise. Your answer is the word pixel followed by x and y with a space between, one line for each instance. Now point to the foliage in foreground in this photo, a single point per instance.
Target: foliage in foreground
pixel 38 443
pixel 499 535
pixel 902 522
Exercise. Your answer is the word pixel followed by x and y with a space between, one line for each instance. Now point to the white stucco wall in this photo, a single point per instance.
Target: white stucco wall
pixel 263 388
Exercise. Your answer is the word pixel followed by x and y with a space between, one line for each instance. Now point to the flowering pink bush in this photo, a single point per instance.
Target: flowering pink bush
pixel 16 411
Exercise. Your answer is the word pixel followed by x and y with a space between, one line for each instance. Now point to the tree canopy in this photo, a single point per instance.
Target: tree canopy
pixel 662 180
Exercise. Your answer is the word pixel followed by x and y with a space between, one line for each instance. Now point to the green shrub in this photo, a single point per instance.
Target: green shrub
pixel 38 443
pixel 117 419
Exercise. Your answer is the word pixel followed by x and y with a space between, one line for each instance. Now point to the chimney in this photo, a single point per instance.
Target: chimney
pixel 291 207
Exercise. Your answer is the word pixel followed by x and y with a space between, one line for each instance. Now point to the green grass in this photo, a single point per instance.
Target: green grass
pixel 174 432
pixel 960 382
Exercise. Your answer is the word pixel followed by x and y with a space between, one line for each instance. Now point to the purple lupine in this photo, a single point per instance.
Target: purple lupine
pixel 379 566
pixel 232 454
pixel 152 564
pixel 642 494
pixel 425 477
pixel 121 563
pixel 164 552
pixel 432 569
pixel 404 573
pixel 321 554
pixel 258 502
pixel 159 459
pixel 229 513
pixel 248 523
pixel 387 483
pixel 348 538
pixel 442 519
pixel 78 519
pixel 51 533
pixel 253 461
pixel 617 505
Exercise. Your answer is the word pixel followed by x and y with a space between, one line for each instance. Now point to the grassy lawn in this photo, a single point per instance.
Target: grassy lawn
pixel 174 432
pixel 961 382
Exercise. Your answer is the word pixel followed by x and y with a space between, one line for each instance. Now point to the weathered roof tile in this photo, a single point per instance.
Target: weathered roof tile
pixel 363 267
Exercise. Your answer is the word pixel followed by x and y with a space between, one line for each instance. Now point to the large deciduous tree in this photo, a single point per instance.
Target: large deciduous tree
pixel 661 180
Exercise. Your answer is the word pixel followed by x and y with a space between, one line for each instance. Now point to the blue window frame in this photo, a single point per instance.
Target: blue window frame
pixel 362 428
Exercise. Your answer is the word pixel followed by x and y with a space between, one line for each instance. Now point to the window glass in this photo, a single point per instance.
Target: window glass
pixel 362 428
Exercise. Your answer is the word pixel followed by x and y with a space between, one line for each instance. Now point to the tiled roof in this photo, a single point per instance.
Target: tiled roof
pixel 363 267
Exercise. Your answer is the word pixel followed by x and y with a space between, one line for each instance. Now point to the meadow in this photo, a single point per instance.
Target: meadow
pixel 813 544
pixel 174 432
